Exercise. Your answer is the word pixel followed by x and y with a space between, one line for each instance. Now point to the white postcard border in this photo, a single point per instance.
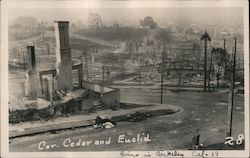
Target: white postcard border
pixel 5 5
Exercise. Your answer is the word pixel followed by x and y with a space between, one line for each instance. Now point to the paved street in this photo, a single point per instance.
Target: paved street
pixel 204 111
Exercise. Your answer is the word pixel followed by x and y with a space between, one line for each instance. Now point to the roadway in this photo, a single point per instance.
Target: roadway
pixel 204 111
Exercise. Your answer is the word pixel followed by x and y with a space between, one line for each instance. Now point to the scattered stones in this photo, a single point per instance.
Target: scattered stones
pixel 214 129
pixel 197 119
pixel 173 132
pixel 221 104
pixel 178 122
pixel 103 122
pixel 58 113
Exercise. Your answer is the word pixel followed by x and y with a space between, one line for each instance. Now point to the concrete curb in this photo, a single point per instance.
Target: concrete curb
pixel 85 121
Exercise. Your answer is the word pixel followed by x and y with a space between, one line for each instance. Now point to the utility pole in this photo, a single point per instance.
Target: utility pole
pixel 48 49
pixel 43 31
pixel 140 76
pixel 205 37
pixel 103 74
pixel 154 52
pixel 162 63
pixel 231 95
pixel 82 67
pixel 161 85
pixel 170 49
pixel 224 46
pixel 179 73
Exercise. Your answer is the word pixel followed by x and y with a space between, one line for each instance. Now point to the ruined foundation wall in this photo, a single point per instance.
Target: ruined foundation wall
pixel 111 98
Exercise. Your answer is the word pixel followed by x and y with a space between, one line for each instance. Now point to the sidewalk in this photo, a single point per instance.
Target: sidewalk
pixel 157 86
pixel 84 120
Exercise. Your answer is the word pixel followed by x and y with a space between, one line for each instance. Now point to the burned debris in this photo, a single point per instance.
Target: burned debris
pixel 52 92
pixel 115 75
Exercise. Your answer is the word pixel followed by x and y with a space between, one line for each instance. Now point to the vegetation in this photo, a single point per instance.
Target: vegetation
pixel 23 27
pixel 25 20
pixel 20 34
pixel 222 62
pixel 81 44
pixel 149 22
pixel 115 33
pixel 163 36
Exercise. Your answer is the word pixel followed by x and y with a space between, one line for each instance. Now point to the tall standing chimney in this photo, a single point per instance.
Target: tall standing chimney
pixel 64 79
pixel 32 74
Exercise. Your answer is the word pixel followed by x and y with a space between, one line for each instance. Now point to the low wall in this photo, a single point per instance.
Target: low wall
pixel 96 88
pixel 87 104
pixel 109 96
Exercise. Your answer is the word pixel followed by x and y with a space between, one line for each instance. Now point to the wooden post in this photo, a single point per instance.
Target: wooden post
pixel 43 32
pixel 170 49
pixel 224 47
pixel 82 67
pixel 179 72
pixel 48 51
pixel 162 63
pixel 231 96
pixel 206 38
pixel 140 76
pixel 205 66
pixel 154 53
pixel 161 87
pixel 103 74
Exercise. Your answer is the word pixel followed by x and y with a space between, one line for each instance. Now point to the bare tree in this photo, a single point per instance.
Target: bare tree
pixel 95 20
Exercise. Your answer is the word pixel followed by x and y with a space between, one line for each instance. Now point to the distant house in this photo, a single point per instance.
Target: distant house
pixel 225 33
pixel 144 27
pixel 25 22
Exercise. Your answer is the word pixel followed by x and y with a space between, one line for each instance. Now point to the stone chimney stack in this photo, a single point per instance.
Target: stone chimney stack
pixel 64 79
pixel 32 74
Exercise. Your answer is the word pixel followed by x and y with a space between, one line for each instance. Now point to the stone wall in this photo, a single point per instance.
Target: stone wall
pixel 112 98
pixel 109 96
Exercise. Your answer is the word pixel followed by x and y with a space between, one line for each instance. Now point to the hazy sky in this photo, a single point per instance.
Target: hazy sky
pixel 131 16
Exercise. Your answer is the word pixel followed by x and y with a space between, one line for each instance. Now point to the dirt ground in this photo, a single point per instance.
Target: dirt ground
pixel 204 111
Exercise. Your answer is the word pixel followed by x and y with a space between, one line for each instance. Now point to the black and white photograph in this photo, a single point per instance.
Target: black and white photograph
pixel 125 79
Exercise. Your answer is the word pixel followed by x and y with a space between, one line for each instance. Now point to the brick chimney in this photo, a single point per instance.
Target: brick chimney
pixel 32 74
pixel 64 79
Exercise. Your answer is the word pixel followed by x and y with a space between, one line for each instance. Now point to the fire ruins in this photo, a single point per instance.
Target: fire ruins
pixel 131 83
pixel 54 89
